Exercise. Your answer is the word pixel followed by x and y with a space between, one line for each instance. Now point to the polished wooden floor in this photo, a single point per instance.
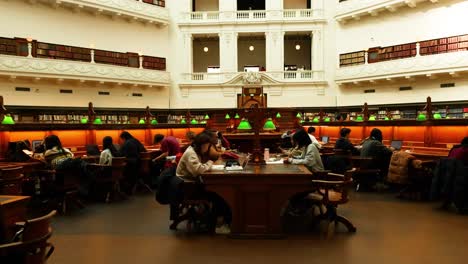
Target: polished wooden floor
pixel 136 232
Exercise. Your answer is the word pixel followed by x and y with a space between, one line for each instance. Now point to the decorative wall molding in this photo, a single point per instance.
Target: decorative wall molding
pixel 132 9
pixel 454 63
pixel 355 9
pixel 252 16
pixel 239 79
pixel 82 71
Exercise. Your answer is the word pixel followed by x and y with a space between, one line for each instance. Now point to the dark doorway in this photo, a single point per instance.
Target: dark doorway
pixel 250 4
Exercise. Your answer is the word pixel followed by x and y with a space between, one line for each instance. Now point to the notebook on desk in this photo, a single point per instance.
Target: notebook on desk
pixel 396 144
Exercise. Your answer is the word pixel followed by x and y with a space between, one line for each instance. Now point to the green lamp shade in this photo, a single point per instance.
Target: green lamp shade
pixel 278 115
pixel 269 125
pixel 203 122
pixel 244 125
pixel 421 117
pixel 237 116
pixel 299 115
pixel 207 117
pixel 359 118
pixel 141 122
pixel 372 118
pixel 316 120
pixel 183 121
pixel 327 119
pixel 194 122
pixel 154 122
pixel 387 118
pixel 437 116
pixel 84 120
pixel 8 120
pixel 227 116
pixel 97 121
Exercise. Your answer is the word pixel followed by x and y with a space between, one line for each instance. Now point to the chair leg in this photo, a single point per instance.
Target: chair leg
pixel 351 228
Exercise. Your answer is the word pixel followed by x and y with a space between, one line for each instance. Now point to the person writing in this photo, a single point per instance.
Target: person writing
pixel 195 161
pixel 169 146
pixel 310 156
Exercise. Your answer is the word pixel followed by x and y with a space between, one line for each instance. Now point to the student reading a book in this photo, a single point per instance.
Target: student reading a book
pixel 108 151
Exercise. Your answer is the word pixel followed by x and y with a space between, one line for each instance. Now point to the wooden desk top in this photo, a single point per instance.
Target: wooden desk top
pixel 9 199
pixel 269 170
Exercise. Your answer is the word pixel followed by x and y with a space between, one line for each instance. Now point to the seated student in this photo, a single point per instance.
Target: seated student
pixel 311 155
pixel 286 140
pixel 131 149
pixel 311 132
pixel 460 152
pixel 55 155
pixel 373 147
pixel 108 151
pixel 170 146
pixel 343 142
pixel 196 160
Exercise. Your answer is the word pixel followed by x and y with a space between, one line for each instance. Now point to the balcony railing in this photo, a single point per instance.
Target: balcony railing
pixel 354 9
pixel 234 78
pixel 151 11
pixel 226 17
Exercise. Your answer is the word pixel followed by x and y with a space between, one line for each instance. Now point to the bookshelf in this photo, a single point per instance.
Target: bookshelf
pixel 379 54
pixel 154 63
pixel 8 46
pixel 161 3
pixel 353 58
pixel 111 57
pixel 62 52
pixel 443 45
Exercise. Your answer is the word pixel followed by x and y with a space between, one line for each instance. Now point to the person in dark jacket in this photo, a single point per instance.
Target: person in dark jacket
pixel 343 142
pixel 460 152
pixel 131 149
pixel 374 148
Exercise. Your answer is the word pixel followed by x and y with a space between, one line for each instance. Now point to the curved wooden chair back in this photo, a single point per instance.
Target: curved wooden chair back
pixel 334 187
pixel 11 180
pixel 118 167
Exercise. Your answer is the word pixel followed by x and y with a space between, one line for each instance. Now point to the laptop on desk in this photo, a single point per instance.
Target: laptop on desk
pixel 325 139
pixel 396 144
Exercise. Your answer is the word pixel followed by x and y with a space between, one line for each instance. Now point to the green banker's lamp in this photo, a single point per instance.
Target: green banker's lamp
pixel 327 119
pixel 269 125
pixel 387 118
pixel 244 125
pixel 203 122
pixel 8 120
pixel 227 116
pixel 194 122
pixel 84 120
pixel 298 115
pixel 97 121
pixel 421 117
pixel 154 122
pixel 372 118
pixel 141 122
pixel 359 118
pixel 183 121
pixel 437 116
pixel 237 116
pixel 278 115
pixel 316 119
pixel 207 117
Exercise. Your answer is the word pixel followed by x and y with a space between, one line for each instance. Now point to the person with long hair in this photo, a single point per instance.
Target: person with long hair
pixel 374 148
pixel 55 155
pixel 108 151
pixel 196 160
pixel 310 157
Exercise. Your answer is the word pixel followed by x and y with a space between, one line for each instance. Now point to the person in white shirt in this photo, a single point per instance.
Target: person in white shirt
pixel 311 132
pixel 108 151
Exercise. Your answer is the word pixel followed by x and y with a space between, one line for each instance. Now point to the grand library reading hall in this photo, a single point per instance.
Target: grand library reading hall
pixel 233 131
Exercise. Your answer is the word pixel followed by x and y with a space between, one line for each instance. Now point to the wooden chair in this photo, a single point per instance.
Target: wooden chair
pixel 62 187
pixel 31 244
pixel 110 175
pixel 331 191
pixel 366 174
pixel 11 180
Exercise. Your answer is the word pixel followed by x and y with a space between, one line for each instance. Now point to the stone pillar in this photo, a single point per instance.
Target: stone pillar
pixel 228 51
pixel 274 42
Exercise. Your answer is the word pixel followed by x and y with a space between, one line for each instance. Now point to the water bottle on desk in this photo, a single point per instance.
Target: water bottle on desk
pixel 266 154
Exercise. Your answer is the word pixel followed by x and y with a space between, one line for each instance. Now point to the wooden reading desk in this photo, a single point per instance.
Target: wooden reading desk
pixel 257 195
pixel 12 210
